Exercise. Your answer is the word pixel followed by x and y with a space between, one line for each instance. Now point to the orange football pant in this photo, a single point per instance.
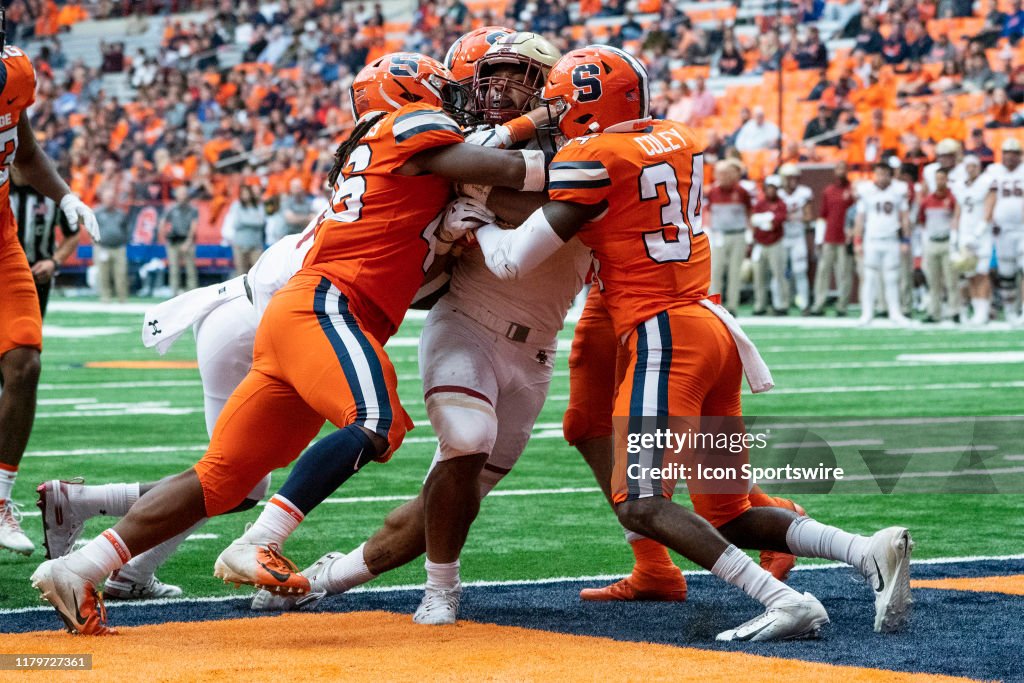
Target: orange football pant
pixel 21 322
pixel 312 361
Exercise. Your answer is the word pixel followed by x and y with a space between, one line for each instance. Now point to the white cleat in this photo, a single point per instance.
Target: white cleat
pixel 76 599
pixel 802 618
pixel 61 524
pixel 439 607
pixel 265 601
pixel 11 536
pixel 888 573
pixel 260 565
pixel 863 322
pixel 119 587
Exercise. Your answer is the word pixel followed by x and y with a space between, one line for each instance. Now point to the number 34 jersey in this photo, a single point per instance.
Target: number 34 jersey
pixel 650 252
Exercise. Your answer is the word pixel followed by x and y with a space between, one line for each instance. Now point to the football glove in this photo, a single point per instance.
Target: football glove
pixel 78 213
pixel 463 215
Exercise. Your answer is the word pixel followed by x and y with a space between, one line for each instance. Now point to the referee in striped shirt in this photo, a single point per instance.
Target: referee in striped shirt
pixel 39 218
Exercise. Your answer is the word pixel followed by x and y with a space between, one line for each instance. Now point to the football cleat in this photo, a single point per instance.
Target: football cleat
pixel 438 607
pixel 11 536
pixel 265 601
pixel 888 573
pixel 120 587
pixel 61 524
pixel 630 588
pixel 802 618
pixel 260 565
pixel 76 599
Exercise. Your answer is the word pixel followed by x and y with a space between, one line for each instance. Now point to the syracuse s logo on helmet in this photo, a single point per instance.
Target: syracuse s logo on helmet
pixel 405 65
pixel 588 85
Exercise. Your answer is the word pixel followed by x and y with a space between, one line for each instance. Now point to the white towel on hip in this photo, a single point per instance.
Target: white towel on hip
pixel 759 377
pixel 166 321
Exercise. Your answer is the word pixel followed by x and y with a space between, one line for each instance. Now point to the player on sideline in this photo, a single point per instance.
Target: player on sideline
pixel 1004 207
pixel 974 235
pixel 21 323
pixel 638 208
pixel 319 347
pixel 881 230
pixel 224 318
pixel 800 213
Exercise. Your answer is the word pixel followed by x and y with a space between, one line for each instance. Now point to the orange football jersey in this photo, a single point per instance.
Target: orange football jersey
pixel 17 93
pixel 376 239
pixel 650 251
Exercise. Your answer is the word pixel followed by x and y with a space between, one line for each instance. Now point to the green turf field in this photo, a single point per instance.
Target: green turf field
pixel 112 425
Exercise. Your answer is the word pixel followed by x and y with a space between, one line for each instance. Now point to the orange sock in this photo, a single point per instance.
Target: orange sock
pixel 652 558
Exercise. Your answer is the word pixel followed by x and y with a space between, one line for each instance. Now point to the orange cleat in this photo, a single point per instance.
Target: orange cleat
pixel 775 563
pixel 659 589
pixel 260 565
pixel 75 598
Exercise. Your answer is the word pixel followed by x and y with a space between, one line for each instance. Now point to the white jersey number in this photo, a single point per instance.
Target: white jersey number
pixel 659 247
pixel 349 189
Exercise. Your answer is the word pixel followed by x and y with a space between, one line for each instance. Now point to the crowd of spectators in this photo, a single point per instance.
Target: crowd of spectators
pixel 242 96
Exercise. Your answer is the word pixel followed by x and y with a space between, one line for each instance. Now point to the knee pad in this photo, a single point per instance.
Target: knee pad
pixel 578 425
pixel 465 424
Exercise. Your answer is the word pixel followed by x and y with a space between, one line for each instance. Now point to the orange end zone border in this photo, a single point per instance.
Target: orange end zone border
pixel 1010 585
pixel 387 646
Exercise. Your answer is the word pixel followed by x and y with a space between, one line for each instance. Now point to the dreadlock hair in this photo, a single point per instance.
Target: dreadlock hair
pixel 350 143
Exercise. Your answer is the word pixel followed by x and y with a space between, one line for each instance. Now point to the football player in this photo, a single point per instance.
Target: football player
pixel 974 235
pixel 1004 208
pixel 629 187
pixel 319 351
pixel 881 231
pixel 21 324
pixel 224 317
pixel 800 213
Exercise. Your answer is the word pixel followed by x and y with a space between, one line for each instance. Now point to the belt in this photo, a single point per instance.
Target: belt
pixel 939 239
pixel 506 328
pixel 248 289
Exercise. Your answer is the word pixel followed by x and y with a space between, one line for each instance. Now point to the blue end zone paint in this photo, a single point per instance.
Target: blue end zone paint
pixel 977 635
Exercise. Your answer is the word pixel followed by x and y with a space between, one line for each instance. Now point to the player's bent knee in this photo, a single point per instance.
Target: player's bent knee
pixel 465 425
pixel 635 515
pixel 578 426
pixel 21 368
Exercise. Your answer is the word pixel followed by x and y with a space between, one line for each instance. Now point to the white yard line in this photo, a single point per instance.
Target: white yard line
pixel 510 582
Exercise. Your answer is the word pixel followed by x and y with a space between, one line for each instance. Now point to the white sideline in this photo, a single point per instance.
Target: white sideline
pixel 513 582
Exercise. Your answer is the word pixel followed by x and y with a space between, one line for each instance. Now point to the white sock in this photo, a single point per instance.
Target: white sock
pixel 276 523
pixel 100 556
pixel 348 572
pixel 442 575
pixel 7 477
pixel 808 538
pixel 981 309
pixel 113 500
pixel 735 567
pixel 143 567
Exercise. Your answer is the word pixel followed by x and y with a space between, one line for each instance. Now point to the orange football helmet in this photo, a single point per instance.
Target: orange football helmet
pixel 596 87
pixel 462 55
pixel 400 78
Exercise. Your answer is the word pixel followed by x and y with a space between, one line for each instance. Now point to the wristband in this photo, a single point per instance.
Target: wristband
pixel 536 171
pixel 519 129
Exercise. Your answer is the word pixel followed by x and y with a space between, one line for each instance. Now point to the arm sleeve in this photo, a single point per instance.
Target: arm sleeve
pixel 512 253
